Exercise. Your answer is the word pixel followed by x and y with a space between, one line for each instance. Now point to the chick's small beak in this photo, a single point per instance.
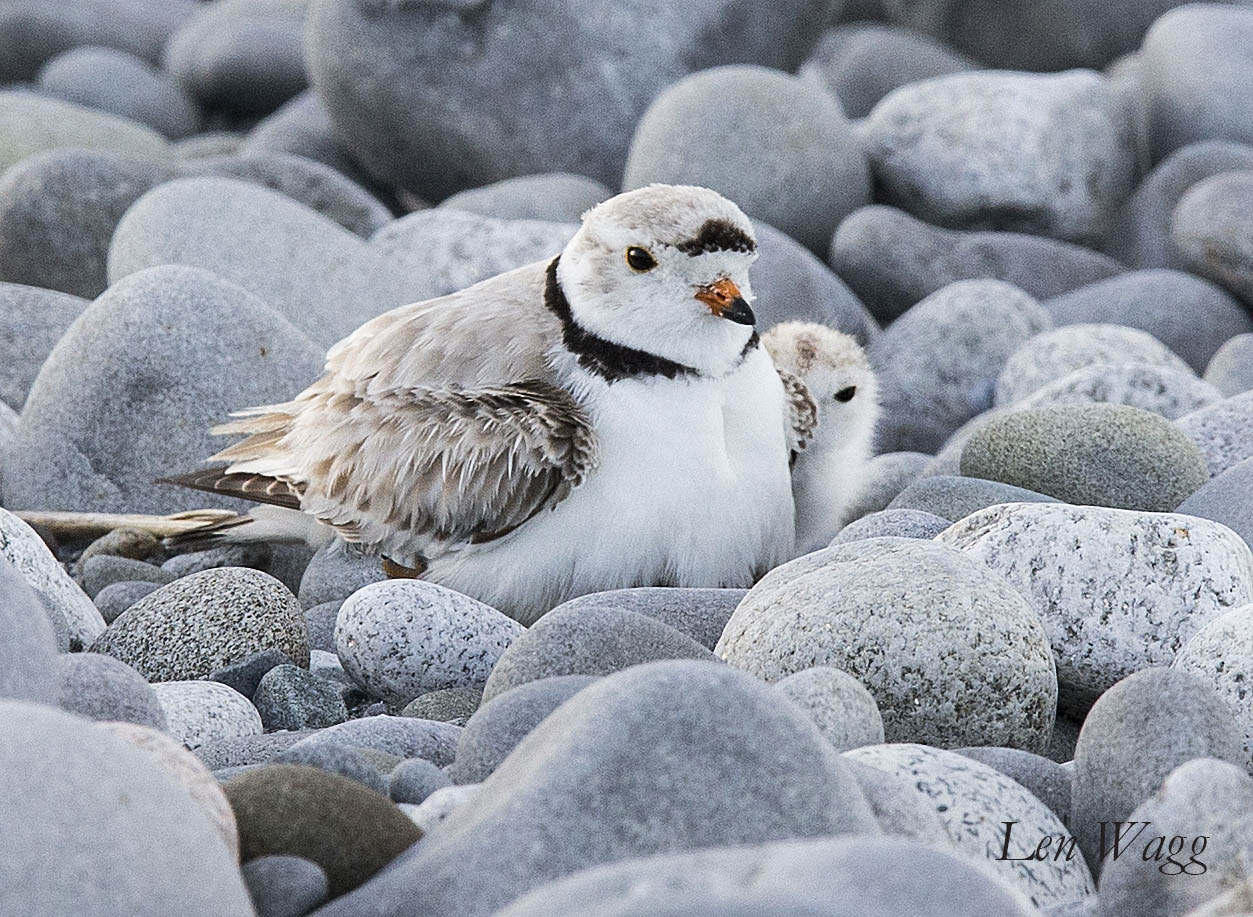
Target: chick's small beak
pixel 724 300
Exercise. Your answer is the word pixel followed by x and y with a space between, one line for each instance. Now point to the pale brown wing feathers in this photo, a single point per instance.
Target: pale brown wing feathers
pixel 253 487
pixel 422 469
pixel 802 411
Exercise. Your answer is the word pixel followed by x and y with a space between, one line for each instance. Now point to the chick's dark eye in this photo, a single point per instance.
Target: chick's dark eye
pixel 640 259
pixel 846 394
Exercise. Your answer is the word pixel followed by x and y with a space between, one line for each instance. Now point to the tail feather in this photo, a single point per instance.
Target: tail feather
pixel 268 524
pixel 255 487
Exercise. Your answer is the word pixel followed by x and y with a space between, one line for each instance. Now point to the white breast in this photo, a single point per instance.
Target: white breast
pixel 693 489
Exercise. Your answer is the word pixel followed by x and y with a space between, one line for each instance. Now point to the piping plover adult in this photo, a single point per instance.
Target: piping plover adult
pixel 828 474
pixel 602 419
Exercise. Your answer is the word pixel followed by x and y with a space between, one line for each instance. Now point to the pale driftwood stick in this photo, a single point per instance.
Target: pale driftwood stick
pixel 87 525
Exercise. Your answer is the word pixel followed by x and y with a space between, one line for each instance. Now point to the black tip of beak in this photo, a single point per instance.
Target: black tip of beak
pixel 739 312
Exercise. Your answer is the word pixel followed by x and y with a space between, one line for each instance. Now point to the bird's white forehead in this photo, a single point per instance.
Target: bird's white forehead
pixel 666 213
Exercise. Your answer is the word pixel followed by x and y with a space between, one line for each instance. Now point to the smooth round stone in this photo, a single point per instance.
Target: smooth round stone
pixel 1050 355
pixel 1212 230
pixel 713 128
pixel 1092 454
pixel 883 477
pixel 246 673
pixel 102 688
pixel 557 197
pixel 288 697
pixel 552 89
pixel 892 260
pixel 403 638
pixel 1223 431
pixel 104 570
pixel 200 623
pixel 302 127
pixel 1170 393
pixel 1196 60
pixel 346 760
pixel 414 780
pixel 1047 780
pixel 677 755
pixel 908 619
pixel 31 123
pixel 699 613
pixel 450 705
pixel 498 726
pixel 28 654
pixel 1135 735
pixel 900 810
pixel 1231 369
pixel 792 284
pixel 974 801
pixel 337 571
pixel 129 393
pixel 1051 154
pixel 1034 34
pixel 594 640
pixel 122 84
pixel 131 543
pixel 1206 804
pixel 953 497
pixel 190 772
pixel 1141 233
pixel 246 56
pixel 33 32
pixel 861 62
pixel 248 751
pixel 32 560
pixel 1228 499
pixel 937 364
pixel 1189 315
pixel 835 877
pixel 256 556
pixel 200 712
pixel 844 710
pixel 1062 743
pixel 453 249
pixel 892 523
pixel 284 886
pixel 95 826
pixel 320 620
pixel 321 277
pixel 1116 590
pixel 1221 653
pixel 289 809
pixel 32 320
pixel 402 736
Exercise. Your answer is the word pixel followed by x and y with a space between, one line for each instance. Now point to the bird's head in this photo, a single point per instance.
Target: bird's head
pixel 664 269
pixel 837 372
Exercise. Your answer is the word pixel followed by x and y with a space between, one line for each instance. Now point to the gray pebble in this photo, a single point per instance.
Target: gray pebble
pixel 953 497
pixel 104 570
pixel 336 571
pixel 449 705
pixel 102 688
pixel 1136 734
pixel 1223 431
pixel 1092 454
pixel 302 127
pixel 115 598
pixel 200 712
pixel 898 622
pixel 246 673
pixel 248 751
pixel 1116 591
pixel 1231 369
pixel 336 758
pixel 1221 653
pixel 256 556
pixel 895 523
pixel 320 620
pixel 1170 393
pixel 402 736
pixel 713 127
pixel 838 703
pixel 699 613
pixel 412 781
pixel 1212 230
pixel 284 886
pixel 33 123
pixel 556 197
pixel 892 260
pixel 289 697
pixel 1227 499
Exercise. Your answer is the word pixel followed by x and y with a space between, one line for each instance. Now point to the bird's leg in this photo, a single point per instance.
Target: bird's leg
pixel 394 570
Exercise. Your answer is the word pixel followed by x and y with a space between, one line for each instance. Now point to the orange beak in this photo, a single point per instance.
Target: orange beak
pixel 724 301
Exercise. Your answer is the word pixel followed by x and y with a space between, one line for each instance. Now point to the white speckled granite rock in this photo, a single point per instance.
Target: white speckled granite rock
pixel 974 801
pixel 1053 354
pixel 199 712
pixel 403 638
pixel 1160 389
pixel 840 704
pixel 1116 590
pixel 937 364
pixel 952 654
pixel 1222 431
pixel 25 550
pixel 1221 653
pixel 185 767
pixel 1052 154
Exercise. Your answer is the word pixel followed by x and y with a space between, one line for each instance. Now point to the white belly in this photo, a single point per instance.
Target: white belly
pixel 692 489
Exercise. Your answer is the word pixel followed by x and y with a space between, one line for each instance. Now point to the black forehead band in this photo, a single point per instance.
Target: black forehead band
pixel 717 236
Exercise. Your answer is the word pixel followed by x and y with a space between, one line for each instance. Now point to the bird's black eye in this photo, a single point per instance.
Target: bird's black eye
pixel 640 259
pixel 846 394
